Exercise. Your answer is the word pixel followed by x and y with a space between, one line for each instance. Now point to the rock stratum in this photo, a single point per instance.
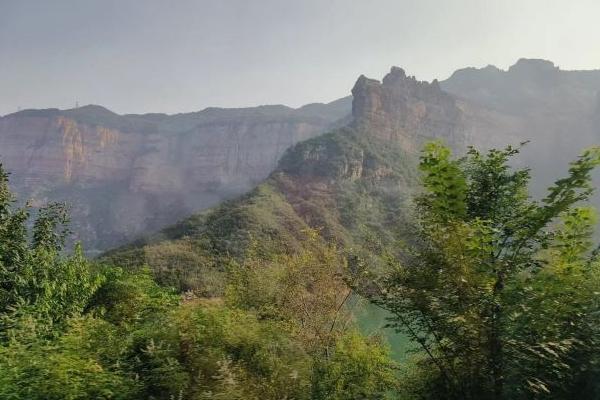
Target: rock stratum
pixel 405 110
pixel 124 175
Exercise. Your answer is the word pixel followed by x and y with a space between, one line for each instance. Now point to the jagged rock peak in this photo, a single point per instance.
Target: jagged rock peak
pixel 403 109
pixel 395 73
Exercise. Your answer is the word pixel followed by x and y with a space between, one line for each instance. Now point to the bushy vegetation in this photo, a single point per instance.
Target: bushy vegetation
pixel 72 329
pixel 501 292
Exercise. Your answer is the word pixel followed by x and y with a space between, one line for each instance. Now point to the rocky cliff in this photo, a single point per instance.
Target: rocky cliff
pixel 351 186
pixel 124 175
pixel 559 111
pixel 402 109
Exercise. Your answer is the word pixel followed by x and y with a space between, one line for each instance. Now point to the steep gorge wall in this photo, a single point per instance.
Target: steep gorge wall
pixel 125 175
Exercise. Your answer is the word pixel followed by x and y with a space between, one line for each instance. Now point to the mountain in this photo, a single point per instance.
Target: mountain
pixel 557 110
pixel 353 185
pixel 127 175
pixel 124 175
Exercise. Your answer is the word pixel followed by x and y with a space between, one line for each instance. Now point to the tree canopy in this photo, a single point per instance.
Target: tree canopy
pixel 501 291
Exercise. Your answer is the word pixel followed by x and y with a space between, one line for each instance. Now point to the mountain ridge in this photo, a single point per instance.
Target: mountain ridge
pixel 97 108
pixel 127 175
pixel 349 186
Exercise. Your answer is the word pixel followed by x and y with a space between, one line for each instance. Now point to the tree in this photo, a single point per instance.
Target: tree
pixel 359 368
pixel 37 280
pixel 307 294
pixel 488 293
pixel 49 348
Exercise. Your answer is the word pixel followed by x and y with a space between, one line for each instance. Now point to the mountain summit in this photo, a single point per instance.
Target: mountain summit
pixel 403 109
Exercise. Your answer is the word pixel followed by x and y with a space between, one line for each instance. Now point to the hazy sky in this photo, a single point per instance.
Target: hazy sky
pixel 183 55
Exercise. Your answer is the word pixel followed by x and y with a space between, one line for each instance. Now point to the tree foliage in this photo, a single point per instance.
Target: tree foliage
pixel 36 279
pixel 501 292
pixel 72 329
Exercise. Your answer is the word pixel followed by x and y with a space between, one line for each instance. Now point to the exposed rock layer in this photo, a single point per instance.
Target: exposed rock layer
pixel 405 110
pixel 124 175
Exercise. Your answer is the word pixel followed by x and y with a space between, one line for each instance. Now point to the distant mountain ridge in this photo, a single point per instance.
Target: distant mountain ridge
pixel 128 174
pixel 534 100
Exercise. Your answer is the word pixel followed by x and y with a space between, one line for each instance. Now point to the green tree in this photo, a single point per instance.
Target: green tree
pixel 49 347
pixel 500 292
pixel 37 279
pixel 306 295
pixel 358 368
pixel 82 363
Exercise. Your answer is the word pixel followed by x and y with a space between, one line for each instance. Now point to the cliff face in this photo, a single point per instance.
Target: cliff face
pixel 405 110
pixel 124 175
pixel 534 100
pixel 129 174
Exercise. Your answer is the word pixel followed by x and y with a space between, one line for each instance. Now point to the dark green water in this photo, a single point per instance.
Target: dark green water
pixel 372 320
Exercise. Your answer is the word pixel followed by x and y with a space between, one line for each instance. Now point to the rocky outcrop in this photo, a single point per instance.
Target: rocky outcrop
pixel 124 175
pixel 405 110
pixel 534 100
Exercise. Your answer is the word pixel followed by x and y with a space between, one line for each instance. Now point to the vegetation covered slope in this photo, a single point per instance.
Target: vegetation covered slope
pixel 255 298
pixel 499 291
pixel 351 187
pixel 71 329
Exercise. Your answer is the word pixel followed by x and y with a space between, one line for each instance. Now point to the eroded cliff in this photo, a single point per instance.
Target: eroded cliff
pixel 124 175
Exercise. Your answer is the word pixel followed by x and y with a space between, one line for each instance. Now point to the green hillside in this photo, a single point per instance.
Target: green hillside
pixel 350 187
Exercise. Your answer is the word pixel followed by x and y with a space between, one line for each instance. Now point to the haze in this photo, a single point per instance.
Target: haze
pixel 158 56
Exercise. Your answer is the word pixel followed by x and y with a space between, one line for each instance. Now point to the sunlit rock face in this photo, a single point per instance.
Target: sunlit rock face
pixel 124 175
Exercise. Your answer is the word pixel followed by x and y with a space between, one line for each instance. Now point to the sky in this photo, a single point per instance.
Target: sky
pixel 138 56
